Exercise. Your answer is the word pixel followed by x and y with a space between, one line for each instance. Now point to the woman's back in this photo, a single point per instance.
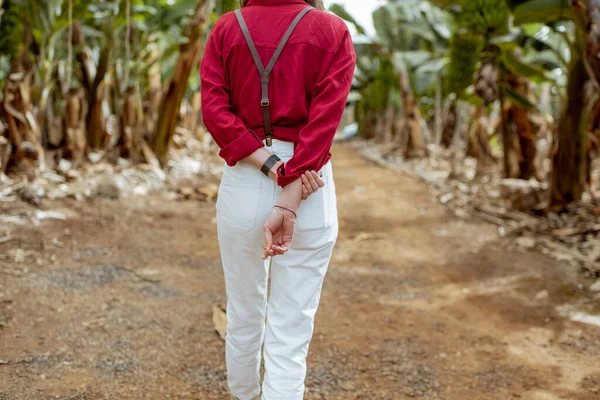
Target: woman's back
pixel 316 56
pixel 307 55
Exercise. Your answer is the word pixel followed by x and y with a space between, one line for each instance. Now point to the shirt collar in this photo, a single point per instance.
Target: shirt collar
pixel 257 2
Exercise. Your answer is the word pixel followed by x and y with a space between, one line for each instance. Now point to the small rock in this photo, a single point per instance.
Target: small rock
pixel 526 242
pixel 39 214
pixel 64 166
pixel 542 295
pixel 94 157
pixel 19 255
pixel 595 287
pixel 186 192
pixel 110 187
pixel 446 198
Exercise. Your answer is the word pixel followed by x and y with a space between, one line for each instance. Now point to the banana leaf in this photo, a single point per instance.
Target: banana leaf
pixel 520 100
pixel 542 11
pixel 386 26
pixel 424 77
pixel 518 67
pixel 411 59
pixel 341 12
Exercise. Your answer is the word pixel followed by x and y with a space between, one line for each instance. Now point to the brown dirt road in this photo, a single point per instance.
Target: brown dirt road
pixel 115 303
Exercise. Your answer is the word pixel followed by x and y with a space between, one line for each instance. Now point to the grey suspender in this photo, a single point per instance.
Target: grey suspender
pixel 265 73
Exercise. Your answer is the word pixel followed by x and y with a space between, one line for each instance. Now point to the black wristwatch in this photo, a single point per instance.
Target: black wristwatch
pixel 271 161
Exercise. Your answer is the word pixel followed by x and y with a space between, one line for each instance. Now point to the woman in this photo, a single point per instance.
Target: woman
pixel 279 120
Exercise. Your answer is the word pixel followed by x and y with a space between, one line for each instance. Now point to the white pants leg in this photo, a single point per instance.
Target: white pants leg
pixel 245 199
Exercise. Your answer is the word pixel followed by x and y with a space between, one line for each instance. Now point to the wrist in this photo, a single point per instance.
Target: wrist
pixel 269 164
pixel 286 210
pixel 291 195
pixel 273 172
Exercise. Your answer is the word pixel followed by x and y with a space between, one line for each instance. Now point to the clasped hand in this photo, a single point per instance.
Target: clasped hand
pixel 279 226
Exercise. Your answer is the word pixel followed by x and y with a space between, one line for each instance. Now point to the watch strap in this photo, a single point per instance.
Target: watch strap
pixel 271 161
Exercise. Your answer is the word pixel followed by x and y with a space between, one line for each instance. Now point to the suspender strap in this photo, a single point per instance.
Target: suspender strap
pixel 265 73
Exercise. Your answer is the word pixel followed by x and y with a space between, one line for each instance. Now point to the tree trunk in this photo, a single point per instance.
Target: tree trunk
pixel 367 125
pixel 415 146
pixel 450 119
pixel 153 96
pixel 593 40
pixel 75 142
pixel 478 145
pixel 171 100
pixel 518 135
pixel 23 132
pixel 130 125
pixel 438 109
pixel 570 160
pixel 5 149
pixel 594 125
pixel 510 151
pixel 388 124
pixel 196 111
pixel 92 77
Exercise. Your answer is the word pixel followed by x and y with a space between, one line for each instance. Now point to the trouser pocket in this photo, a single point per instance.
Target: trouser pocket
pixel 237 204
pixel 318 211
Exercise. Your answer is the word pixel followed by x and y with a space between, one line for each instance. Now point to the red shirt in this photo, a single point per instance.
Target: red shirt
pixel 308 89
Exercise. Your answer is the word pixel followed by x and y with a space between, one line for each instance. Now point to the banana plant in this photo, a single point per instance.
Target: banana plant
pixel 578 21
pixel 492 60
pixel 408 50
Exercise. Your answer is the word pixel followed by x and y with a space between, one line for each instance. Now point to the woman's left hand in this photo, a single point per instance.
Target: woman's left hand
pixel 279 231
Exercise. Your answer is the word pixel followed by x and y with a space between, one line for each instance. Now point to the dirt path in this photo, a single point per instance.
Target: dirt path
pixel 116 303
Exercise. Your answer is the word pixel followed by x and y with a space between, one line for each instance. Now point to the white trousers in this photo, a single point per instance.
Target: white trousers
pixel 245 199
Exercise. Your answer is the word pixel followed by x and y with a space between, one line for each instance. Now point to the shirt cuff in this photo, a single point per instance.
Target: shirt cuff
pixel 246 144
pixel 284 180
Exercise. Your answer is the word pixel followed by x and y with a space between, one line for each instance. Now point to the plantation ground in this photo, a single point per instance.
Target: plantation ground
pixel 116 303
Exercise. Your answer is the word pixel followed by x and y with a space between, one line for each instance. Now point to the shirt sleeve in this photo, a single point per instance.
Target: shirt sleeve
pixel 230 133
pixel 325 113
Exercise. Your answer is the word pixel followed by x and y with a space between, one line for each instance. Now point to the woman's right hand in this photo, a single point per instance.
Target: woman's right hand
pixel 279 232
pixel 279 227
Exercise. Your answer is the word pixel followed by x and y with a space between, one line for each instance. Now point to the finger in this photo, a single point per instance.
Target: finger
pixel 306 183
pixel 263 253
pixel 279 250
pixel 320 181
pixel 304 193
pixel 268 241
pixel 282 248
pixel 313 182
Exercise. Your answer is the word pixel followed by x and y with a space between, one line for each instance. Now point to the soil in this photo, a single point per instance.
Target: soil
pixel 116 301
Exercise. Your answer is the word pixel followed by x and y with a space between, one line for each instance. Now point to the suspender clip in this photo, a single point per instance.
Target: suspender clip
pixel 264 102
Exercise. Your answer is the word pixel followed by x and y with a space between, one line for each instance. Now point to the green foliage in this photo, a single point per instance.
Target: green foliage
pixel 520 100
pixel 229 5
pixel 12 34
pixel 543 11
pixel 465 52
pixel 483 17
pixel 520 68
pixel 412 38
pixel 341 12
